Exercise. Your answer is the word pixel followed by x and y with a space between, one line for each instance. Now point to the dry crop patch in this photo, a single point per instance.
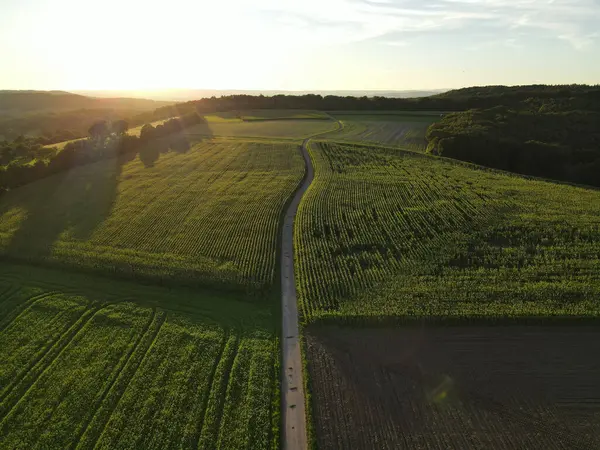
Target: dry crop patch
pixel 509 387
pixel 94 363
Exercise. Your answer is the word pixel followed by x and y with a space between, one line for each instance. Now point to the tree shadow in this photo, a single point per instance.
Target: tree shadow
pixel 67 205
pixel 179 142
pixel 70 205
pixel 150 152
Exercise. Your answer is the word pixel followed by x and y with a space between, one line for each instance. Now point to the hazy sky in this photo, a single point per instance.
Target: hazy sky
pixel 297 44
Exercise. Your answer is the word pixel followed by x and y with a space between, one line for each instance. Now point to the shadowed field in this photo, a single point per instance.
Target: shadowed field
pixel 508 387
pixel 206 215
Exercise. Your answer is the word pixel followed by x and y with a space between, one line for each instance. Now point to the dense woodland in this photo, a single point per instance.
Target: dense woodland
pixel 547 137
pixel 576 96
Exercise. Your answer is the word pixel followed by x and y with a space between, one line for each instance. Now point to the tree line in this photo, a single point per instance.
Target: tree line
pixel 24 161
pixel 541 137
pixel 578 96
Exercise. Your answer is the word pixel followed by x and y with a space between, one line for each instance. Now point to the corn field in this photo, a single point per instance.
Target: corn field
pixel 99 365
pixel 207 217
pixel 383 232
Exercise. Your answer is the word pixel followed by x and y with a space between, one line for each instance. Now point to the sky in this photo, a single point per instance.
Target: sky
pixel 297 44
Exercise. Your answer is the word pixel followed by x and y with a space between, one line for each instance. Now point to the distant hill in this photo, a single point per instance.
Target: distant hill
pixel 568 96
pixel 20 102
pixel 51 113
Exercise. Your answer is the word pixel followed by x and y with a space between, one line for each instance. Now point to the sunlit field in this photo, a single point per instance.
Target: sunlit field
pixel 386 233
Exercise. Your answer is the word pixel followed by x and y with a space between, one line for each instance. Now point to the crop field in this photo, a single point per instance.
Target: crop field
pixel 97 363
pixel 498 387
pixel 208 216
pixel 276 114
pixel 384 233
pixel 407 131
pixel 280 129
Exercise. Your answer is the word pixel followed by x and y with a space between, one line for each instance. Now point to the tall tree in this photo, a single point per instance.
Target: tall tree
pixel 99 129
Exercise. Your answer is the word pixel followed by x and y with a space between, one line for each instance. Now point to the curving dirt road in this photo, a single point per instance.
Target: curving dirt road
pixel 294 416
pixel 292 401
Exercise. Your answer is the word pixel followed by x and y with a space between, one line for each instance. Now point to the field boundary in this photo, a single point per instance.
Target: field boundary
pixel 450 321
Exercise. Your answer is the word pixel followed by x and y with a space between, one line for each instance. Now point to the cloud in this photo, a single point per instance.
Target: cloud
pixel 345 21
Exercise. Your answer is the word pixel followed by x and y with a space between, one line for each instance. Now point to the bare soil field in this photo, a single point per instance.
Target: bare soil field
pixel 497 387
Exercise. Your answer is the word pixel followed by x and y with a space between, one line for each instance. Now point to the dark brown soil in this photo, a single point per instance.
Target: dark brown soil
pixel 509 387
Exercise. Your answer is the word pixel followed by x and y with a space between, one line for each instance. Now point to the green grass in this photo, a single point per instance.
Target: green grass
pixel 387 233
pixel 206 217
pixel 277 114
pixel 279 129
pixel 97 363
pixel 403 130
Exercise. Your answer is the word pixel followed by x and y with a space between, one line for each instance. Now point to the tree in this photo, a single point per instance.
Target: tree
pixel 147 132
pixel 119 127
pixel 99 129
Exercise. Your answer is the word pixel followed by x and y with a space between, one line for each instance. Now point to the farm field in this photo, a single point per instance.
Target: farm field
pixel 499 387
pixel 407 131
pixel 97 363
pixel 280 129
pixel 206 217
pixel 384 234
pixel 286 114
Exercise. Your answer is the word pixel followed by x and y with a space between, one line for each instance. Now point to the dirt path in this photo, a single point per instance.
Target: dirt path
pixel 292 402
pixel 294 416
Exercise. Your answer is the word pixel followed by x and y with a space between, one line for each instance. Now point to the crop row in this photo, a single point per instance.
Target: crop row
pixel 90 374
pixel 209 216
pixel 386 233
pixel 383 130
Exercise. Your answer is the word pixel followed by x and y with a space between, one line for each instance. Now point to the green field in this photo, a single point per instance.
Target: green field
pixel 209 216
pixel 139 299
pixel 280 129
pixel 282 124
pixel 275 114
pixel 402 130
pixel 384 232
pixel 96 363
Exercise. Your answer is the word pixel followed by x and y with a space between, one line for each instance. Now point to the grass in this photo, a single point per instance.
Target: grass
pixel 385 233
pixel 97 363
pixel 405 130
pixel 287 114
pixel 278 129
pixel 206 217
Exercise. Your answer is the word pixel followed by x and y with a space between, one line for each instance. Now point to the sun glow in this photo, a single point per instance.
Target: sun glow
pixel 131 45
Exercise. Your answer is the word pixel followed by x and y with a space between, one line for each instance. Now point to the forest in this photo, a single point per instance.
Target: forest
pixel 540 137
pixel 575 96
